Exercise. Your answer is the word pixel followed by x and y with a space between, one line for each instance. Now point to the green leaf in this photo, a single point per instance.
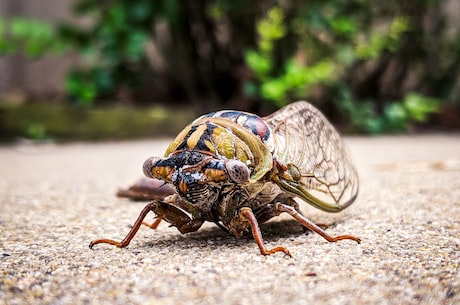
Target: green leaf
pixel 259 63
pixel 420 107
pixel 387 40
pixel 81 87
pixel 396 118
pixel 343 26
pixel 274 90
pixel 135 46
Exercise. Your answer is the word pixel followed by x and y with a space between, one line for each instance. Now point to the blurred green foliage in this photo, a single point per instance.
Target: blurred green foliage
pixel 33 37
pixel 396 116
pixel 383 65
pixel 294 77
pixel 326 45
pixel 330 38
pixel 114 45
pixel 388 41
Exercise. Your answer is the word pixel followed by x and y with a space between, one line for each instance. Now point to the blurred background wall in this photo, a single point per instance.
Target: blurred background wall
pixel 44 77
pixel 371 66
pixel 22 77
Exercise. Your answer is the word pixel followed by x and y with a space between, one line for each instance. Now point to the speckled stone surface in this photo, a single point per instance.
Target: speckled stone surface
pixel 55 199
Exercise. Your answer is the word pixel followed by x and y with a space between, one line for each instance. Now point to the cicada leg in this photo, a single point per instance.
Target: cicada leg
pixel 176 217
pixel 249 215
pixel 270 211
pixel 154 224
pixel 165 211
pixel 283 208
pixel 125 242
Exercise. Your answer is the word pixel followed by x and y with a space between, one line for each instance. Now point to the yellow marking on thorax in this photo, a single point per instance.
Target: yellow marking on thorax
pixel 210 146
pixel 193 139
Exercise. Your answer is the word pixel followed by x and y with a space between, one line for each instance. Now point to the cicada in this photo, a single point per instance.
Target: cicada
pixel 238 170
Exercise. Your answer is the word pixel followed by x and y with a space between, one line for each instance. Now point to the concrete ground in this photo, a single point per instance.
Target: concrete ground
pixel 55 199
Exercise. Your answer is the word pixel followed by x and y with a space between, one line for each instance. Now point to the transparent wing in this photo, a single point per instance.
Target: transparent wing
pixel 304 139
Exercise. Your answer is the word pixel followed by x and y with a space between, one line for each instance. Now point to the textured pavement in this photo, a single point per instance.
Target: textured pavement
pixel 55 199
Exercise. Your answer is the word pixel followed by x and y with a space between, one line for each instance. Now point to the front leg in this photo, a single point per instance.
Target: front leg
pixel 163 210
pixel 125 242
pixel 176 217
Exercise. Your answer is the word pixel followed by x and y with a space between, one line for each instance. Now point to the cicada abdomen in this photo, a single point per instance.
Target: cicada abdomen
pixel 321 171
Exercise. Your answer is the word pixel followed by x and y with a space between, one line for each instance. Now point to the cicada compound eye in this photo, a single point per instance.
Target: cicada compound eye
pixel 148 165
pixel 237 171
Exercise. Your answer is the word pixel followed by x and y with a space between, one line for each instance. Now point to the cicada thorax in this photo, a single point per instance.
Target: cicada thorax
pixel 230 138
pixel 210 162
pixel 249 121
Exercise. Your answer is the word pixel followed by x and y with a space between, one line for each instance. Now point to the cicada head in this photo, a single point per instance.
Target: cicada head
pixel 199 178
